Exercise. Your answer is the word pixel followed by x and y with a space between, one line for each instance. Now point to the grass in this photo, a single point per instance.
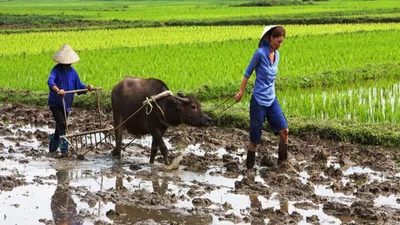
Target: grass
pixel 41 15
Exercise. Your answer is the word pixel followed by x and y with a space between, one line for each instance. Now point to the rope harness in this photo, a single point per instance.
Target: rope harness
pixel 149 108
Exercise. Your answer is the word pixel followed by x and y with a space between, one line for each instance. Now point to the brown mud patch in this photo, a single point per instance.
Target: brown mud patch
pixel 323 182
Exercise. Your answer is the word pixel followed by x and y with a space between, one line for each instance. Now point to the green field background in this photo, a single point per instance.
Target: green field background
pixel 193 10
pixel 338 74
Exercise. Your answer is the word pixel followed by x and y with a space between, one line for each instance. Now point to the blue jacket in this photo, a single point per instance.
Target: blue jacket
pixel 264 85
pixel 66 79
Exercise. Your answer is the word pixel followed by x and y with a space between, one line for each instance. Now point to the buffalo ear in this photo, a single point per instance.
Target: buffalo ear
pixel 181 97
pixel 180 94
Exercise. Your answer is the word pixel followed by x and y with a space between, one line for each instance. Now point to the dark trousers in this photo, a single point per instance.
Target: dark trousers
pixel 58 115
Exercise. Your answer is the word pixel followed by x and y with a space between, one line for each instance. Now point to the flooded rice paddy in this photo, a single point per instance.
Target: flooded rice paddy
pixel 322 183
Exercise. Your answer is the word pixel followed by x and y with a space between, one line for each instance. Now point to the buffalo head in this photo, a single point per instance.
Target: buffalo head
pixel 191 112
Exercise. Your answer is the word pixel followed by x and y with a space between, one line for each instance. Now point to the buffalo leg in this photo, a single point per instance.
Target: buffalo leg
pixel 118 139
pixel 163 148
pixel 154 149
pixel 164 152
pixel 158 141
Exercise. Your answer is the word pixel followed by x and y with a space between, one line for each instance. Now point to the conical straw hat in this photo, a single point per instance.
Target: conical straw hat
pixel 66 55
pixel 266 29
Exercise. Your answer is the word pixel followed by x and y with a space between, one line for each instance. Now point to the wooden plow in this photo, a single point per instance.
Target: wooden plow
pixel 91 139
pixel 87 139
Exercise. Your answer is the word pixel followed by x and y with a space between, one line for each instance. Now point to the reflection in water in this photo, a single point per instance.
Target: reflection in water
pixel 256 205
pixel 160 189
pixel 63 206
pixel 284 206
pixel 131 214
pixel 254 202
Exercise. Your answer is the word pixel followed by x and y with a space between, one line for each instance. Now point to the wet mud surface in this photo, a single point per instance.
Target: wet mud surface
pixel 323 182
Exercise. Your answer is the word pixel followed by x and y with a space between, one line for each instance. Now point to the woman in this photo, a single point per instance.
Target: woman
pixel 63 78
pixel 264 103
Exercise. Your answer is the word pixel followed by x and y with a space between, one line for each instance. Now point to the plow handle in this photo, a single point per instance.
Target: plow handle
pixel 82 90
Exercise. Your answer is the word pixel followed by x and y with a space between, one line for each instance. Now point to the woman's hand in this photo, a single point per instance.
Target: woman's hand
pixel 238 96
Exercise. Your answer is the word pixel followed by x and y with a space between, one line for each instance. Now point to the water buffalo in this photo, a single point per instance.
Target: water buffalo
pixel 128 96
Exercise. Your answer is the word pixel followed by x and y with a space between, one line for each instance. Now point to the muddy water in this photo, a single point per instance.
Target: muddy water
pixel 323 182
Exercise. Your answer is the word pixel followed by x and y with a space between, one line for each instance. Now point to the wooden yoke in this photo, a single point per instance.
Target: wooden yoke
pixel 161 95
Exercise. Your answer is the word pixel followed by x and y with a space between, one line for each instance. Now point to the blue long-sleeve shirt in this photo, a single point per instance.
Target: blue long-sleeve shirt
pixel 66 79
pixel 264 85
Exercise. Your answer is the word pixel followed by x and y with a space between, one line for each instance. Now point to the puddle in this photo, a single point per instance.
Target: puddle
pixel 58 189
pixel 303 176
pixel 325 191
pixel 323 218
pixel 35 199
pixel 392 201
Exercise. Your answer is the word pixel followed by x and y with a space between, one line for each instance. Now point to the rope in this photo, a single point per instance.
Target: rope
pixel 147 102
pixel 227 99
pixel 149 109
pixel 223 110
pixel 220 113
pixel 162 112
pixel 129 117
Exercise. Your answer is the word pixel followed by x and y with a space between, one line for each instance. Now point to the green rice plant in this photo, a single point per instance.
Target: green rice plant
pixel 211 63
pixel 34 43
pixel 374 102
pixel 214 62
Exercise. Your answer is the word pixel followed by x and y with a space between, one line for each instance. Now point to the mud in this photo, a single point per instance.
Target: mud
pixel 323 182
